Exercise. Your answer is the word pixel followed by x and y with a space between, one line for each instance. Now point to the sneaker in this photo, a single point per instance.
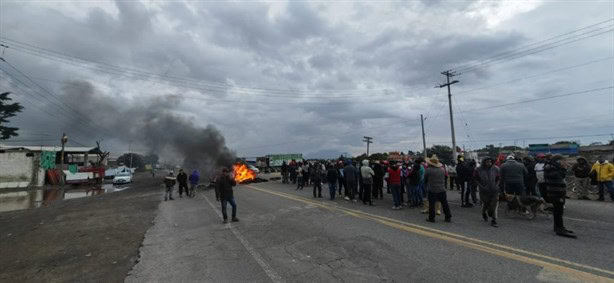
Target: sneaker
pixel 430 220
pixel 394 208
pixel 425 211
pixel 564 233
pixel 346 198
pixel 354 200
pixel 493 223
pixel 438 212
pixel 171 198
pixel 225 221
pixel 485 217
pixel 235 219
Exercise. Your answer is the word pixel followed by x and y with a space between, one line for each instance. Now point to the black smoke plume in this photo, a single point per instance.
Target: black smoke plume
pixel 153 123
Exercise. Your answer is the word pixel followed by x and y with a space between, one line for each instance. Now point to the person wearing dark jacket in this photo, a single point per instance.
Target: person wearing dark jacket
pixel 225 182
pixel 581 171
pixel 194 178
pixel 169 182
pixel 513 175
pixel 316 180
pixel 554 173
pixel 351 176
pixel 284 173
pixel 531 179
pixel 331 178
pixel 464 177
pixel 378 180
pixel 182 179
pixel 487 179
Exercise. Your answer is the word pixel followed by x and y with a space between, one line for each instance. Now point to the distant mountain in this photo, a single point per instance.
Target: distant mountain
pixel 326 154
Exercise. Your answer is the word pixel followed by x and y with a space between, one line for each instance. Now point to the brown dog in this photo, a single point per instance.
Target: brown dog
pixel 529 203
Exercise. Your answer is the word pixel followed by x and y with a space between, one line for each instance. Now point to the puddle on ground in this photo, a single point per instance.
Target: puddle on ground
pixel 35 198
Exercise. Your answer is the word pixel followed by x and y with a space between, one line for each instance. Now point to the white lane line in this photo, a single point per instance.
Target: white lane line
pixel 265 266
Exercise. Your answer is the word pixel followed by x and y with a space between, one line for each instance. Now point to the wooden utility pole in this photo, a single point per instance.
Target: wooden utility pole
pixel 423 137
pixel 448 83
pixel 369 141
pixel 64 140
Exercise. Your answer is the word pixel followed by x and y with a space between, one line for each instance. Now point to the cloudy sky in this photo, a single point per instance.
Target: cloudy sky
pixel 309 77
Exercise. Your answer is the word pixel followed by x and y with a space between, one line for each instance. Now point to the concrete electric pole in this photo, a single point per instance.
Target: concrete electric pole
pixel 64 140
pixel 368 140
pixel 423 137
pixel 448 83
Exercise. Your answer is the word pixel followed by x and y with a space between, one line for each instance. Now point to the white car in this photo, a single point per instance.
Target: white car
pixel 122 178
pixel 253 168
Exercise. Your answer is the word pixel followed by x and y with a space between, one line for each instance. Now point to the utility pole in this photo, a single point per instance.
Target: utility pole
pixel 448 83
pixel 64 140
pixel 368 140
pixel 423 136
pixel 130 150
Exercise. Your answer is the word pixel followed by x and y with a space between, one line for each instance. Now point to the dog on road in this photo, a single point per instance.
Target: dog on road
pixel 521 204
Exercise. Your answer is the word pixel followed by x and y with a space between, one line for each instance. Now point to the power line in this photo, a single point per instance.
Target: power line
pixel 536 75
pixel 536 138
pixel 540 99
pixel 514 52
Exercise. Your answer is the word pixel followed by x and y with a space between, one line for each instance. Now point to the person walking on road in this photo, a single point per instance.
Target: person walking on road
pixel 394 180
pixel 182 179
pixel 351 175
pixel 169 182
pixel 367 174
pixel 225 183
pixel 604 171
pixel 487 179
pixel 554 173
pixel 435 178
pixel 452 175
pixel 513 174
pixel 581 171
pixel 194 178
pixel 316 180
pixel 331 178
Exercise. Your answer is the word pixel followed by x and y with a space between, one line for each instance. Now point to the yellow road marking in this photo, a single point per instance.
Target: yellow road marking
pixel 462 240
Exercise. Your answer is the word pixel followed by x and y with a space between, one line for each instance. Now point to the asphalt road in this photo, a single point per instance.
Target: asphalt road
pixel 288 236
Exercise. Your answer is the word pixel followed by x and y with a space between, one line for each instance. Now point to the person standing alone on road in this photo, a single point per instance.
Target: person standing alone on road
pixel 225 183
pixel 182 179
pixel 194 178
pixel 487 178
pixel 604 172
pixel 581 171
pixel 435 178
pixel 169 182
pixel 367 181
pixel 554 173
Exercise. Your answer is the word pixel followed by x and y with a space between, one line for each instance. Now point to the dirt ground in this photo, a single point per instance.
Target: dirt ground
pixel 91 239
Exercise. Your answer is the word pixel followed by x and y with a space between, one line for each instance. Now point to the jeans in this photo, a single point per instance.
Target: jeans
pixel 490 203
pixel 169 192
pixel 557 198
pixel 468 188
pixel 366 197
pixel 350 189
pixel 317 186
pixel 232 202
pixel 378 187
pixel 439 197
pixel 332 189
pixel 602 186
pixel 416 195
pixel 396 194
pixel 452 182
pixel 299 183
pixel 341 184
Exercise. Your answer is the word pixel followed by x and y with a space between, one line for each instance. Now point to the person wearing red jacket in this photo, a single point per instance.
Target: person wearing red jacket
pixel 394 180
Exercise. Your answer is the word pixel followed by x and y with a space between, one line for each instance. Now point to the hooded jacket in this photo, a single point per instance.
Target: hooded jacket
pixel 487 179
pixel 605 171
pixel 194 178
pixel 581 170
pixel 367 173
pixel 394 175
pixel 350 173
pixel 332 175
pixel 182 178
pixel 554 174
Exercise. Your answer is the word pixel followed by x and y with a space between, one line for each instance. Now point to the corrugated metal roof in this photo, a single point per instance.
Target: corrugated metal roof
pixel 69 149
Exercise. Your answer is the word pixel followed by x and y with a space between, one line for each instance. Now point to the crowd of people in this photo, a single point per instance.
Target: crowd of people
pixel 424 183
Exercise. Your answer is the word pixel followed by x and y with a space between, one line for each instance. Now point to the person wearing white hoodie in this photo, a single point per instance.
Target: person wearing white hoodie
pixel 367 174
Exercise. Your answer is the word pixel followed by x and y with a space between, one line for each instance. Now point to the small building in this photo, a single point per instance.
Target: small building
pixel 28 166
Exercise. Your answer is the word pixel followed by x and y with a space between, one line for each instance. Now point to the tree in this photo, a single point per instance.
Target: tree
pixel 8 110
pixel 102 155
pixel 565 142
pixel 379 156
pixel 443 152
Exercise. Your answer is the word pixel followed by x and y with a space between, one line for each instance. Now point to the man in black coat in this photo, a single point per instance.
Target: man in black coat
pixel 225 183
pixel 554 173
pixel 182 179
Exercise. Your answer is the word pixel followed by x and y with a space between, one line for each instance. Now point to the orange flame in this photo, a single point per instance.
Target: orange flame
pixel 243 173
